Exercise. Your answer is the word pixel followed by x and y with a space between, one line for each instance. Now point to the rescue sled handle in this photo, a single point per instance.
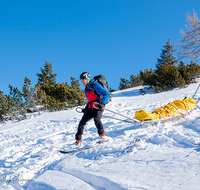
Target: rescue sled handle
pixel 120 119
pixel 79 108
pixel 135 120
pixel 196 91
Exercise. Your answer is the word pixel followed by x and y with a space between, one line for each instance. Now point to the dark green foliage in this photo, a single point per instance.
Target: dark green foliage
pixel 29 94
pixel 166 75
pixel 61 95
pixel 16 107
pixel 182 69
pixel 46 78
pixel 142 91
pixel 41 97
pixel 163 78
pixel 135 80
pixel 54 105
pixel 158 89
pixel 166 55
pixel 46 95
pixel 65 95
pixel 189 72
pixel 124 84
pixel 169 77
pixel 3 106
pixel 77 92
pixel 111 90
pixel 148 77
pixel 193 71
pixel 75 84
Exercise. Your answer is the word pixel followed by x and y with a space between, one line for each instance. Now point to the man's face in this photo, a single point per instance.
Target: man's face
pixel 84 81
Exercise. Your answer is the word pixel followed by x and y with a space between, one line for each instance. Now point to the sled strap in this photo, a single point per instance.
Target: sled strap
pixel 166 111
pixel 160 116
pixel 185 108
pixel 177 109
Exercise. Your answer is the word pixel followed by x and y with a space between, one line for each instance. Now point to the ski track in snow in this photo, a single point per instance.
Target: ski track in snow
pixel 166 157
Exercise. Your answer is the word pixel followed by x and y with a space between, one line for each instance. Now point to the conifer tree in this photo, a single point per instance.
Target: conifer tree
pixel 75 84
pixel 54 105
pixel 46 78
pixel 58 92
pixel 166 55
pixel 193 71
pixel 29 95
pixel 3 106
pixel 16 104
pixel 135 80
pixel 77 92
pixel 47 90
pixel 148 77
pixel 169 76
pixel 111 90
pixel 124 83
pixel 41 97
pixel 182 69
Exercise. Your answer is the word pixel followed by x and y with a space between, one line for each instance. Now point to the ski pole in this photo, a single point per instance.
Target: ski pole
pixel 135 120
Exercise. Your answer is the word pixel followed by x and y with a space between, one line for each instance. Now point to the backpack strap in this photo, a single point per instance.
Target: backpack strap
pixel 92 88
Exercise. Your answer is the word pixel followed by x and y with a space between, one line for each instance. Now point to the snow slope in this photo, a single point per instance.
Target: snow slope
pixel 166 157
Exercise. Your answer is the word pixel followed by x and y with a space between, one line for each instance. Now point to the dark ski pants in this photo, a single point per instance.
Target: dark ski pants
pixel 87 116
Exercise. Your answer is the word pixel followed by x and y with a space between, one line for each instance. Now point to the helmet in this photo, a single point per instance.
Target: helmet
pixel 85 75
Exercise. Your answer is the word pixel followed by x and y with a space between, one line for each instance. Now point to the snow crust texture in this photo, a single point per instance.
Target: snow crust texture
pixel 165 156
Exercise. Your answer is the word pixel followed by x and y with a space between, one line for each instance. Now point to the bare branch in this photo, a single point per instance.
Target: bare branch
pixel 190 44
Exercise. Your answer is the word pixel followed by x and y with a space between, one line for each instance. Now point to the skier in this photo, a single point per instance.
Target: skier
pixel 97 96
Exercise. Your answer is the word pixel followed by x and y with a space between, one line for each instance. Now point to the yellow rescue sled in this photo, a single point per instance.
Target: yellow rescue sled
pixel 177 107
pixel 173 112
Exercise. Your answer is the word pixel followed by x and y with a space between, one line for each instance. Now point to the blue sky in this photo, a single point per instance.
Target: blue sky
pixel 116 38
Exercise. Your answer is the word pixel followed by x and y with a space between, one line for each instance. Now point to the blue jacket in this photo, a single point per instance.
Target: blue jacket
pixel 103 94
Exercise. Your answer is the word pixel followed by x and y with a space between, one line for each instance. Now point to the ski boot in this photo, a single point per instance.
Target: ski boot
pixel 78 142
pixel 104 137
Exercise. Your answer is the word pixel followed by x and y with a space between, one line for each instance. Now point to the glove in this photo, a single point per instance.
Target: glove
pixel 84 110
pixel 101 105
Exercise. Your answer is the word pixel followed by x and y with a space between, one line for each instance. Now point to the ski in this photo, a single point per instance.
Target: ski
pixel 82 149
pixel 196 144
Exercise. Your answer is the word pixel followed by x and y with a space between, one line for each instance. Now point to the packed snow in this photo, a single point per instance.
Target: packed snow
pixel 166 157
